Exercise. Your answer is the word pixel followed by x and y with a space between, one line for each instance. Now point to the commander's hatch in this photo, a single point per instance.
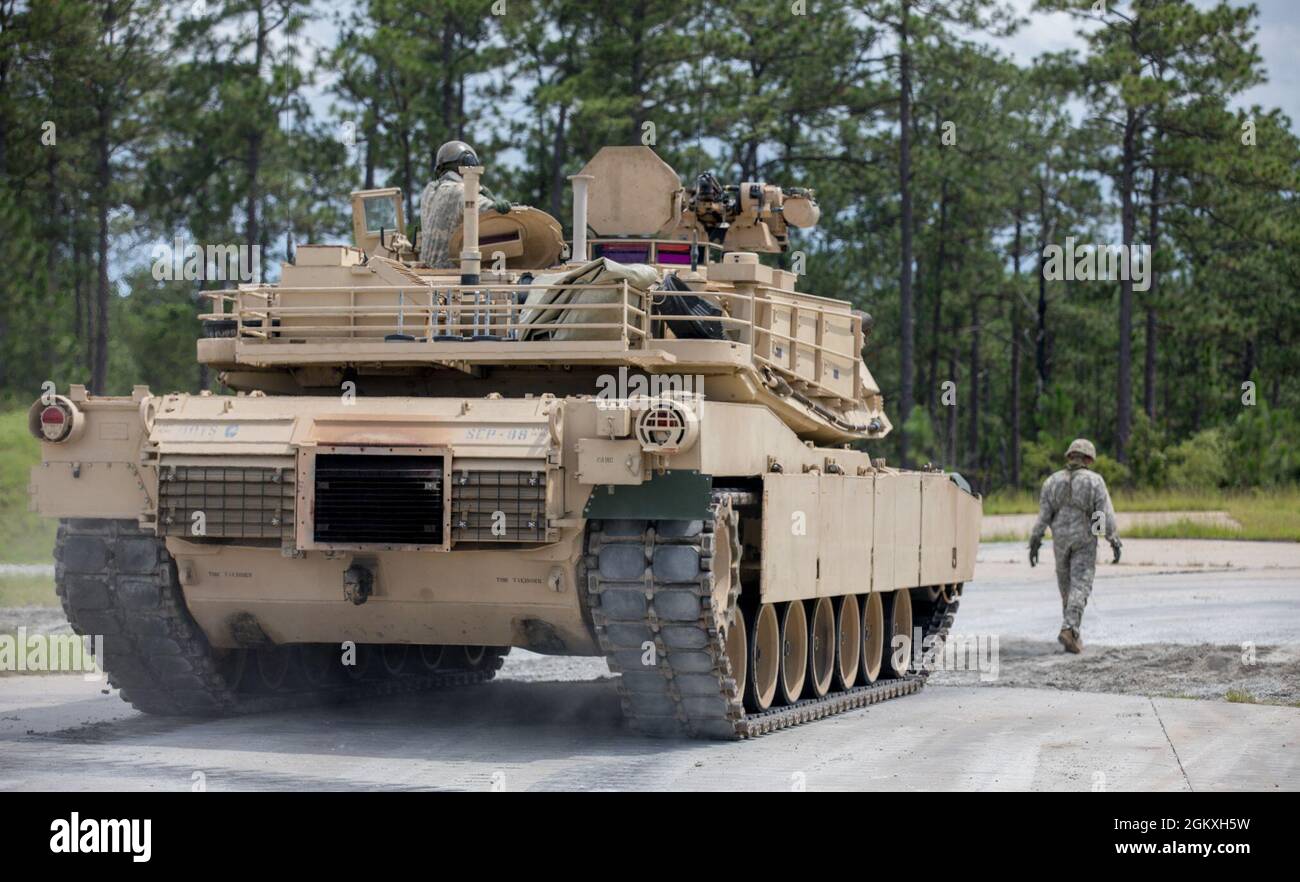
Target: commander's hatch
pixel 376 215
pixel 523 238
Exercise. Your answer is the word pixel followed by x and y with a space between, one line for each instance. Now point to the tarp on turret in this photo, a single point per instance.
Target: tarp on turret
pixel 540 307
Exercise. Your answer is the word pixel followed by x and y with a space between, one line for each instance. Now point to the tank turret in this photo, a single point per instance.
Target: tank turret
pixel 658 276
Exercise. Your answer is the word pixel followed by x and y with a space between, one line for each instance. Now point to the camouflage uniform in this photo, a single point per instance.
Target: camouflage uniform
pixel 441 205
pixel 1070 502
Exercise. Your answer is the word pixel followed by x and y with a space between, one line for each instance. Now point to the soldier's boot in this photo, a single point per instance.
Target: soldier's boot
pixel 1069 638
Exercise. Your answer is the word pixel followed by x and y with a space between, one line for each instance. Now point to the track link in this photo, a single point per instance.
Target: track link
pixel 117 581
pixel 650 591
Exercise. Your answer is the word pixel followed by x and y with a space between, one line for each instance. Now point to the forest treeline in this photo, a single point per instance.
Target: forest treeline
pixel 946 174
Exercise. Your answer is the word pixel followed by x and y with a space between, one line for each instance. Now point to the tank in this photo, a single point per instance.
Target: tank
pixel 642 443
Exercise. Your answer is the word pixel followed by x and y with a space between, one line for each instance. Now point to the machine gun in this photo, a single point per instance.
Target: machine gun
pixel 751 216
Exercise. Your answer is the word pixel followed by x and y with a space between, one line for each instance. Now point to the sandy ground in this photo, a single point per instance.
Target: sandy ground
pixel 1002 525
pixel 1176 620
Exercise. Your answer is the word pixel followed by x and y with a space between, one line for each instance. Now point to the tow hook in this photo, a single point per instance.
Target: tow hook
pixel 358 584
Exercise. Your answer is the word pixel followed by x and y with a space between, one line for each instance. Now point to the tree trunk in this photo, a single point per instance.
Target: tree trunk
pixel 205 376
pixel 1124 369
pixel 371 133
pixel 973 453
pixel 636 74
pixel 1040 332
pixel 907 329
pixel 950 429
pixel 1015 358
pixel 50 308
pixel 408 172
pixel 253 152
pixel 936 312
pixel 448 78
pixel 558 156
pixel 1149 357
pixel 84 325
pixel 104 176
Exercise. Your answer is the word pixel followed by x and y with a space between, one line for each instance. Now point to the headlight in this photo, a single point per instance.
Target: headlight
pixel 667 425
pixel 54 420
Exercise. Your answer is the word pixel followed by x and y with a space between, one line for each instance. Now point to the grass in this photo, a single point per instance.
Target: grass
pixel 24 538
pixel 24 590
pixel 1241 696
pixel 1269 515
pixel 1006 536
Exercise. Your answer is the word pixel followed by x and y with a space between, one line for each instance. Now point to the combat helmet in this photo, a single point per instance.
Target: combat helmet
pixel 1083 447
pixel 452 156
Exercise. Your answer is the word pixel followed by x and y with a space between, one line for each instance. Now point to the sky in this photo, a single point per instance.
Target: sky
pixel 1278 41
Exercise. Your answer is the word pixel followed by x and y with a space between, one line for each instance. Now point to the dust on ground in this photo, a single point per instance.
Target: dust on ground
pixel 1203 670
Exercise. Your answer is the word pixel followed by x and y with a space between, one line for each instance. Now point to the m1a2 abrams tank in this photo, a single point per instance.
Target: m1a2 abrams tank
pixel 644 451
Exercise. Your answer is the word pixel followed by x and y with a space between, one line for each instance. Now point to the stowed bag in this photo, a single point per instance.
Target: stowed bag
pixel 686 304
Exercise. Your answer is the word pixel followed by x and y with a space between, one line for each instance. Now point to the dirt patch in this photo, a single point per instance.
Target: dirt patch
pixel 1160 669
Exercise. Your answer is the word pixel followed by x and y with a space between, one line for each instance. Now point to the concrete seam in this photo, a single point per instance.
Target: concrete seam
pixel 1170 741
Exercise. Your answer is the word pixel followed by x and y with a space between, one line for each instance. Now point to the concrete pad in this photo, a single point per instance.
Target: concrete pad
pixel 1233 746
pixel 568 735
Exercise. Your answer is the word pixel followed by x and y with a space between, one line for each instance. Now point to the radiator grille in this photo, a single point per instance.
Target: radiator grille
pixel 379 499
pixel 225 502
pixel 477 497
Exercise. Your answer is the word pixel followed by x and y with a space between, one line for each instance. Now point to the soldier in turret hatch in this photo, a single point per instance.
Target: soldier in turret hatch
pixel 442 202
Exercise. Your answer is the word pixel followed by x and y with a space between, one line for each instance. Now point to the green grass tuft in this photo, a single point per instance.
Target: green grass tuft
pixel 24 537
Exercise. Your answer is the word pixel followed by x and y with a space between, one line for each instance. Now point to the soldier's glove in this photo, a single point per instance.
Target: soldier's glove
pixel 1115 546
pixel 502 205
pixel 1034 545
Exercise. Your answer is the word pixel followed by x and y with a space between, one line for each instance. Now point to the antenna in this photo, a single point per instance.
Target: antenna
pixel 699 156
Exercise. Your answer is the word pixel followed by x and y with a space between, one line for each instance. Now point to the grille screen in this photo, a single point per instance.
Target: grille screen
pixel 222 502
pixel 498 506
pixel 378 499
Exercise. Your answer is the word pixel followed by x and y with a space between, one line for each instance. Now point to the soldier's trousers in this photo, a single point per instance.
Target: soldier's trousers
pixel 1076 564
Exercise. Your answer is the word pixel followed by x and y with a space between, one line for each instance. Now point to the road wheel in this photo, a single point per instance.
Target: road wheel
pixel 794 651
pixel 363 661
pixel 764 657
pixel 848 642
pixel 427 658
pixel 873 637
pixel 737 645
pixel 319 664
pixel 898 619
pixel 472 657
pixel 821 647
pixel 392 658
pixel 274 667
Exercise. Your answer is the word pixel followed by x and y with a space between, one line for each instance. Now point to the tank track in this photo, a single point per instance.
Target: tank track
pixel 651 582
pixel 120 582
